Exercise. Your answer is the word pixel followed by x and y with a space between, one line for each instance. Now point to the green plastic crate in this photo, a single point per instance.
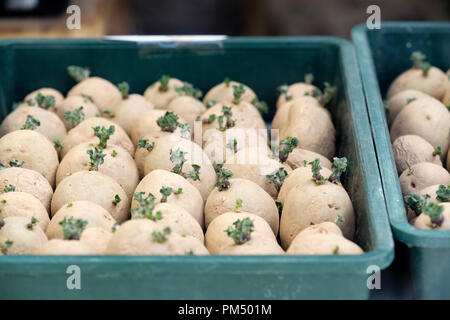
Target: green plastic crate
pixel 263 64
pixel 382 55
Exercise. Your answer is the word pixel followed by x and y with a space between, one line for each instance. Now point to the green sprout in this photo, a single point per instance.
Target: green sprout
pixel 32 223
pixel 87 98
pixel 309 78
pixel 31 123
pixel 227 115
pixel 339 219
pixel 416 202
pixel 161 237
pixel 339 167
pixel 168 122
pixel 114 153
pixel 30 102
pixel 73 228
pixel 109 113
pixel 210 103
pixel 238 205
pixel 9 188
pixel 443 193
pixel 58 145
pixel 425 68
pixel 211 119
pixel 277 178
pixel 262 106
pixel 78 73
pixel 116 200
pixel 45 102
pixel 227 81
pixel 185 130
pixel 315 168
pixel 284 89
pixel 164 83
pixel 103 135
pixel 189 90
pixel 124 88
pixel 286 147
pixel 410 171
pixel 434 212
pixel 328 95
pixel 238 91
pixel 223 174
pixel 279 206
pixel 178 191
pixel 74 116
pixel 97 157
pixel 144 143
pixel 115 227
pixel 146 207
pixel 178 159
pixel 336 250
pixel 6 246
pixel 16 163
pixel 417 58
pixel 241 230
pixel 437 151
pixel 165 193
pixel 409 100
pixel 232 145
pixel 194 174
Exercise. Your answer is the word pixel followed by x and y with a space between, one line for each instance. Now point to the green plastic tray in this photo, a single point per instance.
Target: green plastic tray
pixel 263 64
pixel 382 55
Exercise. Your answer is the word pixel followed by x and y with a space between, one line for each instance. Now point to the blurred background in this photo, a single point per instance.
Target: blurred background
pixel 45 18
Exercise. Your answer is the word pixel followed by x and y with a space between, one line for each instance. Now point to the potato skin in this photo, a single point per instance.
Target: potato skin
pixel 34 149
pixel 96 238
pixel 29 181
pixel 223 93
pixel 281 117
pixel 296 90
pixel 90 110
pixel 321 228
pixel 187 107
pixel 254 200
pixel 159 158
pixel 191 200
pixel 427 118
pixel 83 132
pixel 423 221
pixel 118 164
pixel 22 204
pixel 65 248
pixel 47 92
pixel 160 99
pixel 104 93
pixel 257 245
pixel 50 125
pixel 410 150
pixel 421 176
pixel 94 214
pixel 95 187
pixel 216 239
pixel 127 111
pixel 297 157
pixel 398 101
pixel 323 244
pixel 25 241
pixel 316 204
pixel 434 84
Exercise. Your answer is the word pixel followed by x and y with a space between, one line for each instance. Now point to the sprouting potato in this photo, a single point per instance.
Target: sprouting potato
pixel 187 107
pixel 281 117
pixel 437 193
pixel 162 92
pixel 435 217
pixel 301 158
pixel 46 92
pixel 294 91
pixel 398 101
pixel 75 109
pixel 129 110
pixel 422 175
pixel 230 92
pixel 96 238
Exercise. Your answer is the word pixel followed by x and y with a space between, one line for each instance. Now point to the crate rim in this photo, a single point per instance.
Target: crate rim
pixel 403 231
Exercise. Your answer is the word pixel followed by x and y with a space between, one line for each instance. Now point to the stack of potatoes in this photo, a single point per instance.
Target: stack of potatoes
pixel 102 171
pixel 418 104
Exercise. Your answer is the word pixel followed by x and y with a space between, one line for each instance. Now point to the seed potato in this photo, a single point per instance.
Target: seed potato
pixel 224 92
pixel 399 101
pixel 298 157
pixel 47 92
pixel 323 244
pixel 129 110
pixel 423 221
pixel 60 247
pixel 160 97
pixel 97 238
pixel 187 107
pixel 431 191
pixel 296 90
pixel 72 103
pixel 422 175
pixel 281 117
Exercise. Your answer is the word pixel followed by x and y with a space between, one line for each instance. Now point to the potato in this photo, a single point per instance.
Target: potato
pixel 399 101
pixel 187 107
pixel 128 110
pixel 94 214
pixel 313 127
pixel 422 175
pixel 103 92
pixel 257 245
pixel 28 181
pixel 298 156
pixel 218 241
pixel 31 147
pixel 145 237
pixel 409 150
pixel 224 92
pixel 96 238
pixel 433 84
pixel 21 204
pixel 26 236
pixel 190 199
pixel 84 133
pixel 253 164
pixel 50 125
pixel 95 187
pixel 281 117
pixel 254 200
pixel 321 228
pixel 160 97
pixel 317 204
pixel 72 103
pixel 431 191
pixel 60 247
pixel 296 90
pixel 46 92
pixel 427 118
pixel 323 244
pixel 160 156
pixel 146 124
pixel 118 164
pixel 301 176
pixel 423 221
